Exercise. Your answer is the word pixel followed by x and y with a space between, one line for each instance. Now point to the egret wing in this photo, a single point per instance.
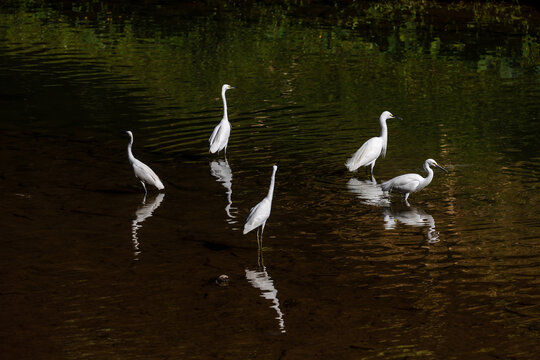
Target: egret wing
pixel 404 183
pixel 368 152
pixel 258 215
pixel 221 137
pixel 146 174
pixel 214 133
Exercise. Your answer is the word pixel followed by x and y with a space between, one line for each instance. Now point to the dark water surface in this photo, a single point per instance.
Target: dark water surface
pixel 91 270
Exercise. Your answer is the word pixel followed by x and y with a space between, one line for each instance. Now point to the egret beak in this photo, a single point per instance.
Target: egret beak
pixel 396 117
pixel 440 167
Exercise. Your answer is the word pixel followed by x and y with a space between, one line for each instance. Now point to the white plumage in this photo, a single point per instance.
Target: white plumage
pixel 368 153
pixel 410 183
pixel 220 136
pixel 141 170
pixel 260 212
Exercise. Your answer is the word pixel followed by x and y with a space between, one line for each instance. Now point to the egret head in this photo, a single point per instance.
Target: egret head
pixel 432 162
pixel 227 87
pixel 274 168
pixel 388 115
pixel 130 137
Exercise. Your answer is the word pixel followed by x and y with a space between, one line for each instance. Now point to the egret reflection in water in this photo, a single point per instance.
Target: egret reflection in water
pixel 222 171
pixel 368 191
pixel 260 279
pixel 144 211
pixel 412 217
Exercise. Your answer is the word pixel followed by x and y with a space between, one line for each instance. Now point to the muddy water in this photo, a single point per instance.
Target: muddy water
pixel 92 269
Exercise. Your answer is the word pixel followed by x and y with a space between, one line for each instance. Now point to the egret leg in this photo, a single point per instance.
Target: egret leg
pixel 144 186
pixel 372 166
pixel 260 259
pixel 259 243
pixel 406 201
pixel 262 230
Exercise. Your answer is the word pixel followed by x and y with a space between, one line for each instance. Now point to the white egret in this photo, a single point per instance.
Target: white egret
pixel 410 183
pixel 373 148
pixel 220 136
pixel 141 170
pixel 260 212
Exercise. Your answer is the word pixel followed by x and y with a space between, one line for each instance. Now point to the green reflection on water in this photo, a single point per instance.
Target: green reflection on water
pixel 450 60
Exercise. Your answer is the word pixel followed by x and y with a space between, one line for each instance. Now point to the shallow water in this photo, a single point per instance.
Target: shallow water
pixel 92 269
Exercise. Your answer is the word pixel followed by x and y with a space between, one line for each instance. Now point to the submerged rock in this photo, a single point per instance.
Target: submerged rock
pixel 222 280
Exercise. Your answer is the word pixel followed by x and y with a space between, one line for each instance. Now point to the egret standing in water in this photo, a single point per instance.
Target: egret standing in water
pixel 220 136
pixel 410 183
pixel 373 148
pixel 141 170
pixel 260 212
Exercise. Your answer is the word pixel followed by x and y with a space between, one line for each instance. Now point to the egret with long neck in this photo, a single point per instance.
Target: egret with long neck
pixel 260 212
pixel 220 136
pixel 372 149
pixel 411 183
pixel 141 170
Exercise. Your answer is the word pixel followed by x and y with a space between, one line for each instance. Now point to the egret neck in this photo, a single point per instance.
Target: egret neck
pixel 428 178
pixel 271 188
pixel 224 103
pixel 384 134
pixel 130 154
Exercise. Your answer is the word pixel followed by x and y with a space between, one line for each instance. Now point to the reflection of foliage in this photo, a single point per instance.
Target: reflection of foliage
pixel 400 27
pixel 410 51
